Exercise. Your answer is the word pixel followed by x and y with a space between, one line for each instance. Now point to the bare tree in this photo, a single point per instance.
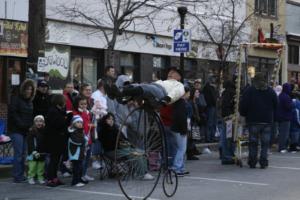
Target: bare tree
pixel 111 17
pixel 223 26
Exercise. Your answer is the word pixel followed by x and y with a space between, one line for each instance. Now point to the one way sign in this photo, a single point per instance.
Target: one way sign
pixel 182 40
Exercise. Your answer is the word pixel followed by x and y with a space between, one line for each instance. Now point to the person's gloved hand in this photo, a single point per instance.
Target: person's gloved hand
pixel 165 101
pixel 36 154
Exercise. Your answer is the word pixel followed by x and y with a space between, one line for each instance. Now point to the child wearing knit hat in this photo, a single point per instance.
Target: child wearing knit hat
pixel 36 150
pixel 76 149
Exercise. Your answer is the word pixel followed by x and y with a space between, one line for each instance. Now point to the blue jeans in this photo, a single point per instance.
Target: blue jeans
pixel 274 133
pixel 20 146
pixel 211 123
pixel 181 143
pixel 294 135
pixel 171 145
pixel 226 144
pixel 86 160
pixel 262 131
pixel 284 132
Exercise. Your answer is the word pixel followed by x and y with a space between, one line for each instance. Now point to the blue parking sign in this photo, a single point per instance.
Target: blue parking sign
pixel 181 40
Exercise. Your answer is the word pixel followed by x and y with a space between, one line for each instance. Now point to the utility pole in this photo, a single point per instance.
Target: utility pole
pixel 36 32
pixel 182 12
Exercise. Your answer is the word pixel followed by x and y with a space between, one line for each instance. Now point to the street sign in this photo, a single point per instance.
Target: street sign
pixel 182 40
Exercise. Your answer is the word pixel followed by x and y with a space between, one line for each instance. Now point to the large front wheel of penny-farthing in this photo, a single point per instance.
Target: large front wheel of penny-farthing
pixel 139 157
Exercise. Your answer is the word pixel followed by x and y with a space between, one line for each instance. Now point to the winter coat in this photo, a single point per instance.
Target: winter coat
pixel 179 117
pixel 173 88
pixel 284 110
pixel 210 95
pixel 198 117
pixel 228 99
pixel 20 110
pixel 57 122
pixel 108 136
pixel 258 105
pixel 41 104
pixel 69 100
pixel 76 144
pixel 87 119
pixel 36 142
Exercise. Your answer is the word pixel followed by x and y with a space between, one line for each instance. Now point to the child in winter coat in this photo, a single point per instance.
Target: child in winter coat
pixel 36 151
pixel 80 106
pixel 76 149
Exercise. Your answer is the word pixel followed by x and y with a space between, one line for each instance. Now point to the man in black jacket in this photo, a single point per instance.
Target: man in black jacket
pixel 41 101
pixel 258 105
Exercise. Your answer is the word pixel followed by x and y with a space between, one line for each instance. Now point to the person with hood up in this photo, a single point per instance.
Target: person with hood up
pixel 258 105
pixel 20 119
pixel 278 89
pixel 284 116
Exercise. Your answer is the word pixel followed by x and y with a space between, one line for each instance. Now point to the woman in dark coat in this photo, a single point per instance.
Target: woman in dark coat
pixel 57 122
pixel 20 119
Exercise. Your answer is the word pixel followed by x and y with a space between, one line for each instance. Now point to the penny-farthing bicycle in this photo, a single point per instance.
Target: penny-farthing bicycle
pixel 145 153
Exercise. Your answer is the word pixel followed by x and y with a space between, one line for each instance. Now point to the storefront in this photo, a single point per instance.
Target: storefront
pixel 13 53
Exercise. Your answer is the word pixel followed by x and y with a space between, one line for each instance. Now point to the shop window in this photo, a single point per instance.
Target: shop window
pixel 264 65
pixel 293 54
pixel 76 70
pixel 90 71
pixel 127 60
pixel 266 7
pixel 127 64
pixel 159 66
pixel 84 70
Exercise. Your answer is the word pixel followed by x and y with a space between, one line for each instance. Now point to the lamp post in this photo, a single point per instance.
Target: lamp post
pixel 182 10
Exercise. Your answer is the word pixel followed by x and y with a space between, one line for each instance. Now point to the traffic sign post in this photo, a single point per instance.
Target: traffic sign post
pixel 182 40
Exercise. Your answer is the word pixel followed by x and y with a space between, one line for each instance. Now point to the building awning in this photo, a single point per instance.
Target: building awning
pixel 273 46
pixel 293 37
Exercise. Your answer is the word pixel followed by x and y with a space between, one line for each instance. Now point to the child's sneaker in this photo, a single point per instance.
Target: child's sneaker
pixel 80 184
pixel 42 182
pixel 31 181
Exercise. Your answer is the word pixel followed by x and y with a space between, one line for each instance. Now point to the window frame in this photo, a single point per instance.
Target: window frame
pixel 293 50
pixel 267 11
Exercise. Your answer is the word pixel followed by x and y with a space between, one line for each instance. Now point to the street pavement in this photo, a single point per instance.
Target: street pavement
pixel 209 180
